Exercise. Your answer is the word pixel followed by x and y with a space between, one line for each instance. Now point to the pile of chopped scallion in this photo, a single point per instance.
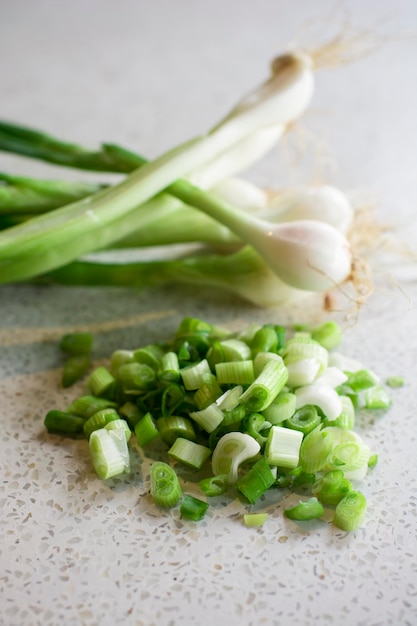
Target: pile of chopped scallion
pixel 252 410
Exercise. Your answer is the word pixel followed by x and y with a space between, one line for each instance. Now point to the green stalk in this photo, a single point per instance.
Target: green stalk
pixel 24 196
pixel 243 273
pixel 37 144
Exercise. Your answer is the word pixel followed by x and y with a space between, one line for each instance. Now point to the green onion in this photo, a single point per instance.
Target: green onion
pixel 265 387
pixel 208 418
pixel 193 509
pixel 308 447
pixel 189 453
pixel 101 381
pixel 235 372
pixel 305 510
pixel 86 406
pixel 194 376
pixel 77 344
pixel 256 481
pixel 377 398
pixel 332 487
pixel 207 394
pixel 214 485
pixel 305 419
pixel 231 450
pixel 146 430
pixel 328 335
pixel 149 355
pixel 165 487
pixel 350 513
pixel 99 420
pixel 281 408
pixel 257 427
pixel 283 447
pixel 109 453
pixel 315 449
pixel 169 368
pixel 254 520
pixel 136 377
pixel 174 426
pixel 395 381
pixel 235 350
pixel 264 340
pixel 63 423
pixel 172 398
pixel 75 367
pixel 361 379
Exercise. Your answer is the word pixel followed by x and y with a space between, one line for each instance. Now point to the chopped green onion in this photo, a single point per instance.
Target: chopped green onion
pixel 193 509
pixel 136 377
pixel 229 400
pixel 77 344
pixel 172 397
pixel 75 367
pixel 373 460
pixel 194 376
pixel 332 487
pixel 99 420
pixel 214 485
pixel 305 419
pixel 256 481
pixel 281 408
pixel 350 513
pixel 264 340
pixel 231 450
pixel 146 430
pixel 315 449
pixel 119 358
pixel 189 453
pixel 265 387
pixel 119 424
pixel 361 379
pixel 174 426
pixel 305 510
pixel 63 423
pixel 235 350
pixel 257 427
pixel 377 398
pixel 283 447
pixel 100 381
pixel 109 452
pixel 322 396
pixel 235 372
pixel 208 418
pixel 254 520
pixel 395 381
pixel 169 368
pixel 130 412
pixel 328 335
pixel 86 406
pixel 149 355
pixel 207 394
pixel 165 487
pixel 350 456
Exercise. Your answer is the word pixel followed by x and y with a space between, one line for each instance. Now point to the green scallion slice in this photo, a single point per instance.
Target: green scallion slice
pixel 350 513
pixel 165 486
pixel 193 509
pixel 305 510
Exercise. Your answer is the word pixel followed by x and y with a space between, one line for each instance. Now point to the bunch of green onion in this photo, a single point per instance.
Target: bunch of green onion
pixel 255 410
pixel 272 250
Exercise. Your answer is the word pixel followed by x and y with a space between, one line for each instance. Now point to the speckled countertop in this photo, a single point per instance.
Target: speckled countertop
pixel 75 550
